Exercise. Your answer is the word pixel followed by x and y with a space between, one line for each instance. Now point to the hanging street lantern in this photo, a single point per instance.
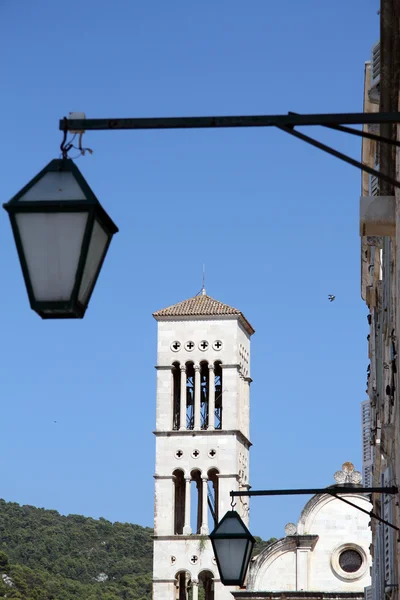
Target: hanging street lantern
pixel 232 543
pixel 62 234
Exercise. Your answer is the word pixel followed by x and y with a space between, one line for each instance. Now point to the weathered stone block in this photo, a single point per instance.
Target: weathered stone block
pixel 377 215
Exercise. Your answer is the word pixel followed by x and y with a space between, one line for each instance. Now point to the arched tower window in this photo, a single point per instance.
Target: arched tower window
pixel 218 395
pixel 183 585
pixel 189 395
pixel 196 501
pixel 179 501
pixel 176 395
pixel 206 585
pixel 204 394
pixel 213 497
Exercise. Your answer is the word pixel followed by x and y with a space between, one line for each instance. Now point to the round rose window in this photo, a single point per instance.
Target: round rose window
pixel 350 561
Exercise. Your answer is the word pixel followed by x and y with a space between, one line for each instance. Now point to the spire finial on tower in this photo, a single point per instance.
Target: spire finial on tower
pixel 203 289
pixel 348 474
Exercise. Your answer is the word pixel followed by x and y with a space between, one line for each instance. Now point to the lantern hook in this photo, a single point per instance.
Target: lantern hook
pixel 63 146
pixel 233 503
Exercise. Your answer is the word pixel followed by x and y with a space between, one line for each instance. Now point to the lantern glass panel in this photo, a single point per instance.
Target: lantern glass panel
pixel 97 248
pixel 231 554
pixel 249 550
pixel 54 186
pixel 52 244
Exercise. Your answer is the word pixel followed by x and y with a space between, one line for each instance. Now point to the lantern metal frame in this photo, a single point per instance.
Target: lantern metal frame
pixel 214 535
pixel 72 308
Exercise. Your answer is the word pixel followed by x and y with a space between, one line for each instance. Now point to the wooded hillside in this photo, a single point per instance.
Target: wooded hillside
pixel 46 556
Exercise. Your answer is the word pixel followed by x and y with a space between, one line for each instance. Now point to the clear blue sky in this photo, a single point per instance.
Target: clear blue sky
pixel 275 222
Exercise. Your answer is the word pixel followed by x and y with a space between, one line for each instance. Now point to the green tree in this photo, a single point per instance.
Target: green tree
pixel 4 566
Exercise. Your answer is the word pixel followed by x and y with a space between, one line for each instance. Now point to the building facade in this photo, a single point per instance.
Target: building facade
pixel 202 440
pixel 380 262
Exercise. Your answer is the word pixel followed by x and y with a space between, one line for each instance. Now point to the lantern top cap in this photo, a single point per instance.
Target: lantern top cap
pixel 59 186
pixel 231 525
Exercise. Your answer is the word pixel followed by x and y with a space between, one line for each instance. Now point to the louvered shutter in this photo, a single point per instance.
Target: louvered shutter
pixel 379 357
pixel 386 282
pixel 376 64
pixel 368 593
pixel 367 457
pixel 374 183
pixel 388 538
pixel 374 179
pixel 374 89
pixel 377 574
pixel 366 424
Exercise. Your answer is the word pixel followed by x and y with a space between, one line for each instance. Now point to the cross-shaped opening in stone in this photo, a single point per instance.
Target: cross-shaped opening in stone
pixel 176 345
pixel 179 453
pixel 218 344
pixel 204 345
pixel 194 559
pixel 189 345
pixel 212 453
pixel 196 453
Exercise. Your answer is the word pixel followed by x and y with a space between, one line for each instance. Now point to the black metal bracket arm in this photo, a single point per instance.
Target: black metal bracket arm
pixel 289 120
pixel 333 491
pixel 286 123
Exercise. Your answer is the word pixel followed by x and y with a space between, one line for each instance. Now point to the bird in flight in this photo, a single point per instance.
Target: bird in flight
pixel 331 297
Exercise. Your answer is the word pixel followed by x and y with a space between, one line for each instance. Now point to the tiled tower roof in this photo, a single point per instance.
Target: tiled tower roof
pixel 203 306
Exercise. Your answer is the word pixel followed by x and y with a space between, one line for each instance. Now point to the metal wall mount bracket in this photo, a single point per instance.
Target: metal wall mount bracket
pixel 336 491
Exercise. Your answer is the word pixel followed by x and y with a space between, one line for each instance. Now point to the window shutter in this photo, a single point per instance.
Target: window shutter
pixel 374 184
pixel 368 593
pixel 374 179
pixel 376 63
pixel 367 457
pixel 387 251
pixel 379 358
pixel 388 539
pixel 374 90
pixel 377 574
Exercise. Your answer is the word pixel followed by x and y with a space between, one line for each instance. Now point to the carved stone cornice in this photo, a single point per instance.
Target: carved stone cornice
pixel 304 541
pixel 204 432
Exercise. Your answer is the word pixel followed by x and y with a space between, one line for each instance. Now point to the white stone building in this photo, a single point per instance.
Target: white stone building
pixel 380 289
pixel 202 440
pixel 325 555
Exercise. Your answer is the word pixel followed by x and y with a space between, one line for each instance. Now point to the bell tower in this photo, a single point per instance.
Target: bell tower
pixel 202 440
